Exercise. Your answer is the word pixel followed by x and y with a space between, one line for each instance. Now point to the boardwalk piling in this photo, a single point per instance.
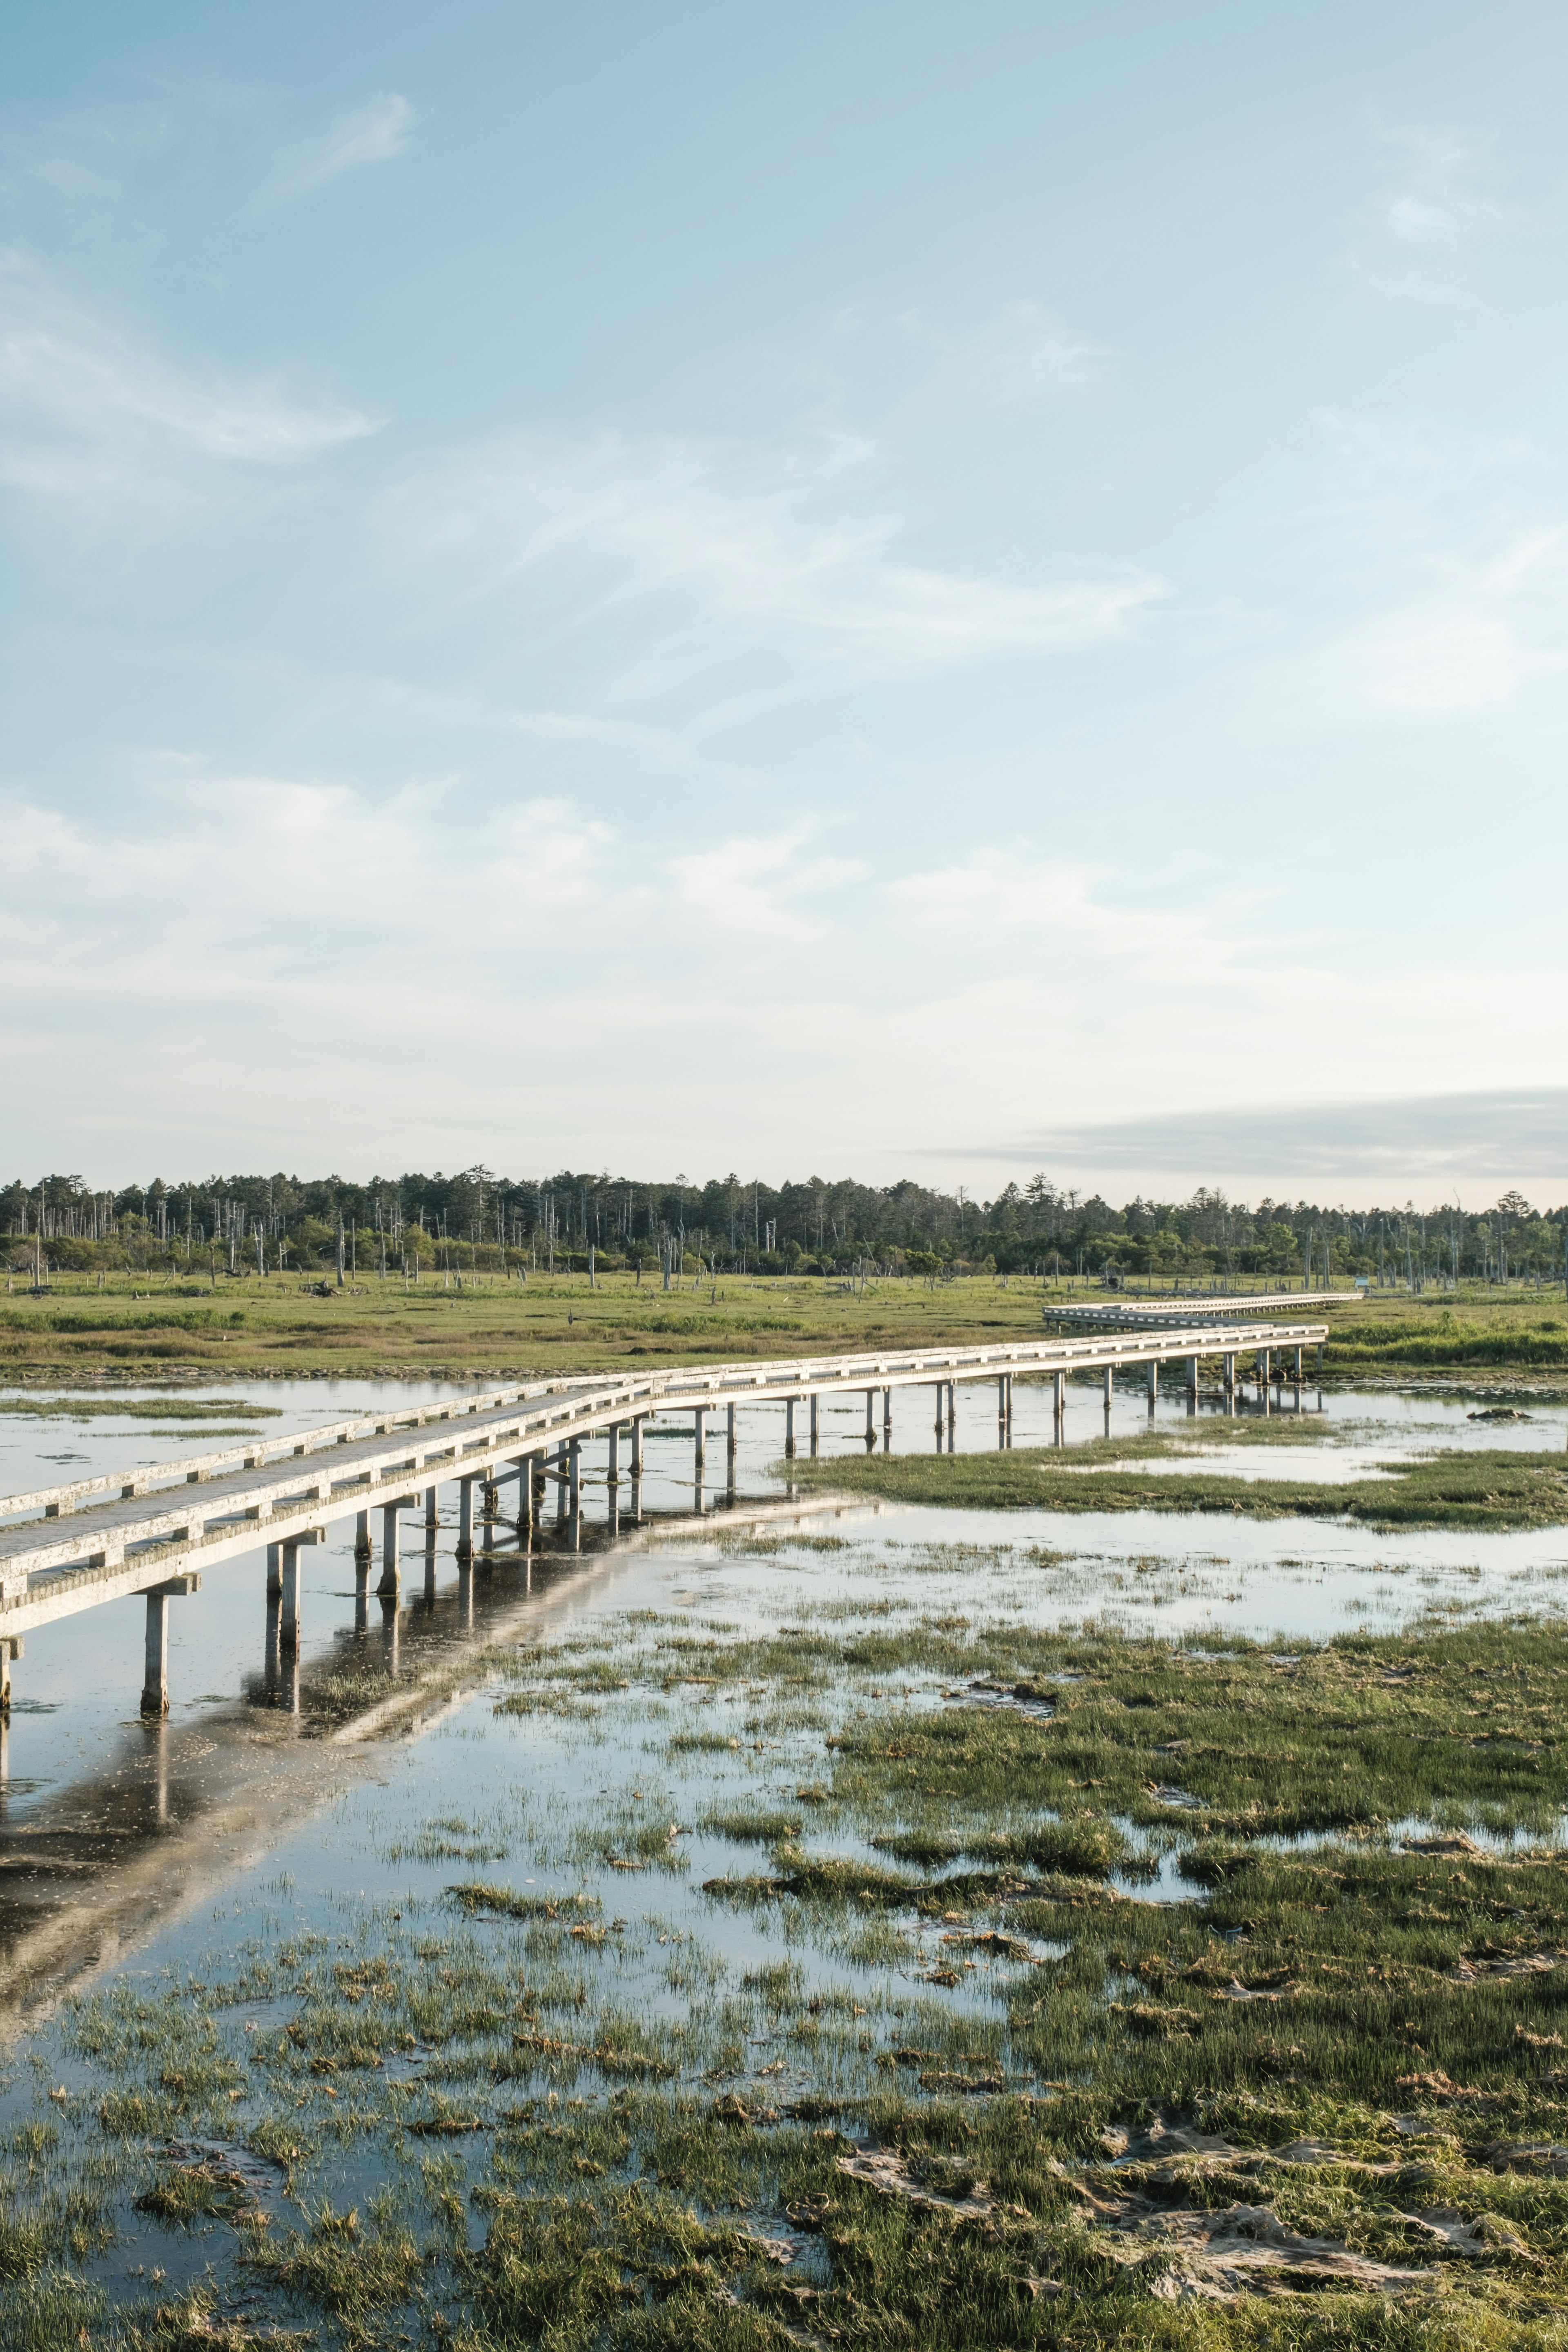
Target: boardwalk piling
pixel 391 1570
pixel 289 1626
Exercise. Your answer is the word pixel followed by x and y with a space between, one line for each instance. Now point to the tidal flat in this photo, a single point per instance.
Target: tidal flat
pixel 936 1927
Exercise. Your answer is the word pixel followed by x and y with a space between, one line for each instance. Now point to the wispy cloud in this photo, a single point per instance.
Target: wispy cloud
pixel 1436 191
pixel 1478 632
pixel 377 131
pixel 770 537
pixel 1023 352
pixel 762 887
pixel 992 902
pixel 89 414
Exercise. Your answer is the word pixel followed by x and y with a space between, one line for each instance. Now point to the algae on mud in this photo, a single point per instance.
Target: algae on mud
pixel 1319 2098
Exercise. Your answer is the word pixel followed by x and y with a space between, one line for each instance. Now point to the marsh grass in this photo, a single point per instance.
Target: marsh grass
pixel 1450 1489
pixel 599 2134
pixel 172 1408
pixel 559 1324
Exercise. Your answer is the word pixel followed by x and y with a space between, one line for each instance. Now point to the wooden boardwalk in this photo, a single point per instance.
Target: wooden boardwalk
pixel 155 1531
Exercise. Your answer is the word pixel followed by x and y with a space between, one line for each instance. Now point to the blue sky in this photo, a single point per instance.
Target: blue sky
pixel 857 590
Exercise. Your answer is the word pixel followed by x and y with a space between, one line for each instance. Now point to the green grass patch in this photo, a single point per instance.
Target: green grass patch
pixel 81 1408
pixel 1450 1489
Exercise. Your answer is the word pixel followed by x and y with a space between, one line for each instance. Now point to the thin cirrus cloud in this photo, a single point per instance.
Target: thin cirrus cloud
pixel 1475 636
pixel 1011 893
pixel 762 887
pixel 91 415
pixel 1436 194
pixel 776 535
pixel 377 131
pixel 1023 352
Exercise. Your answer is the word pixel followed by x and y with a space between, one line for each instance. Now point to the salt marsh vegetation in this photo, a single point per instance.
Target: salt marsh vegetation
pixel 840 1966
pixel 1449 1488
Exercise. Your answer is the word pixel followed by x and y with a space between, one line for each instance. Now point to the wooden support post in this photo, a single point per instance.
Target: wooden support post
pixel 270 1653
pixel 1298 1367
pixel 870 1418
pixel 815 1401
pixel 155 1677
pixel 391 1583
pixel 887 1421
pixel 289 1623
pixel 699 1440
pixel 10 1650
pixel 1108 1388
pixel 729 1440
pixel 637 1444
pixel 465 1520
pixel 612 1458
pixel 951 1412
pixel 432 1518
pixel 574 1475
pixel 1192 1376
pixel 274 1571
pixel 1229 1364
pixel 561 1483
pixel 1153 1381
pixel 939 1416
pixel 789 1426
pixel 1059 1389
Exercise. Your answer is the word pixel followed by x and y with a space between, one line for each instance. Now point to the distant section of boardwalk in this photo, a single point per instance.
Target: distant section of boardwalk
pixel 155 1531
pixel 1123 1307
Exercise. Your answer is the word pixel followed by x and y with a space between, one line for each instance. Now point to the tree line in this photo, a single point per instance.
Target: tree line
pixel 477 1218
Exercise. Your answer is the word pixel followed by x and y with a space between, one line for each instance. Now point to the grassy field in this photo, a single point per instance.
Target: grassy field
pixel 496 1328
pixel 966 2093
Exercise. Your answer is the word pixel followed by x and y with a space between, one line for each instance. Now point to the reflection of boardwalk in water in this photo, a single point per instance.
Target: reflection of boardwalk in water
pixel 86 1874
